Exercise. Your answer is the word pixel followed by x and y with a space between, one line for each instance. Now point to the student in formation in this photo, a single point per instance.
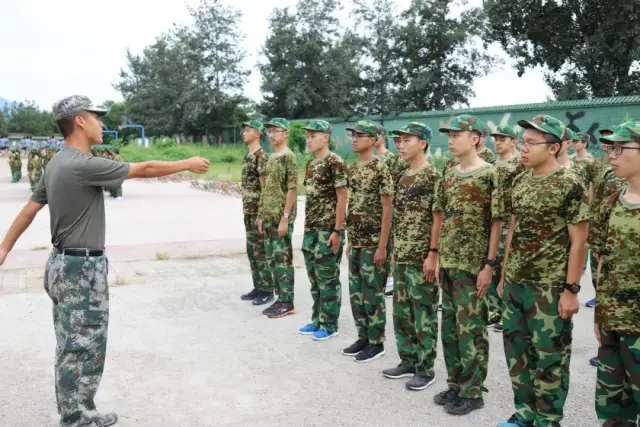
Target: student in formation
pixel 469 197
pixel 483 152
pixel 544 255
pixel 326 184
pixel 277 214
pixel 509 166
pixel 415 302
pixel 617 316
pixel 368 226
pixel 254 166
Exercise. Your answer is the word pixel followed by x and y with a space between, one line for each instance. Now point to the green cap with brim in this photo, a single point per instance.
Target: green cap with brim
pixel 625 133
pixel 278 122
pixel 418 129
pixel 381 130
pixel 255 124
pixel 505 130
pixel 464 122
pixel 364 126
pixel 581 136
pixel 545 124
pixel 319 126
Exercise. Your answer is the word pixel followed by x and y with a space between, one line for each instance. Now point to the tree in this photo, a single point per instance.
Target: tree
pixel 438 57
pixel 26 117
pixel 588 47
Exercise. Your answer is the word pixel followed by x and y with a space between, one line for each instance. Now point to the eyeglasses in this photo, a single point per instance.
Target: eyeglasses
pixel 527 145
pixel 618 149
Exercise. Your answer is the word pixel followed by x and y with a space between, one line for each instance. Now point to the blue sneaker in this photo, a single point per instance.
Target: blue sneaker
pixel 594 361
pixel 308 329
pixel 514 422
pixel 591 303
pixel 321 335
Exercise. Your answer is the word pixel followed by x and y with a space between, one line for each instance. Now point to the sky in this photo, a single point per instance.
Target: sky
pixel 35 33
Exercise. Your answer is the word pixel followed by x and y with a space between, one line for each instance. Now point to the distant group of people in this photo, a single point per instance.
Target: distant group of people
pixel 501 239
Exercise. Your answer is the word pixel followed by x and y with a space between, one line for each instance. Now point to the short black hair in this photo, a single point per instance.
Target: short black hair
pixel 66 126
pixel 552 139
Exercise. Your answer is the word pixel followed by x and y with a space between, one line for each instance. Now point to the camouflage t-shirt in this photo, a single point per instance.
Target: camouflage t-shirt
pixel 281 175
pixel 393 164
pixel 487 155
pixel 604 187
pixel 588 166
pixel 254 165
pixel 618 293
pixel 413 206
pixel 507 172
pixel 470 202
pixel 545 207
pixel 321 179
pixel 367 183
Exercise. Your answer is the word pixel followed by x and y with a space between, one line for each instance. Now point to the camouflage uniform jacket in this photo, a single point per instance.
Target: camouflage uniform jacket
pixel 618 241
pixel 367 183
pixel 470 202
pixel 545 207
pixel 281 175
pixel 254 165
pixel 14 159
pixel 413 209
pixel 321 179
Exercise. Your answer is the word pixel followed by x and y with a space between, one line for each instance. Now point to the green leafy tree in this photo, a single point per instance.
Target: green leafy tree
pixel 26 117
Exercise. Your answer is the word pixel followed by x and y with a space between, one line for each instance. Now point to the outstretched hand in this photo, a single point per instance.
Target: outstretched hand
pixel 3 254
pixel 198 165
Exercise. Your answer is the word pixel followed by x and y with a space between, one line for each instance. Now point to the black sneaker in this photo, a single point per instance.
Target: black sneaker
pixel 267 311
pixel 263 298
pixel 284 309
pixel 355 348
pixel 420 382
pixel 400 371
pixel 445 397
pixel 250 295
pixel 370 352
pixel 463 405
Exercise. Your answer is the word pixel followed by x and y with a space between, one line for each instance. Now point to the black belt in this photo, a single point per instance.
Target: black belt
pixel 79 252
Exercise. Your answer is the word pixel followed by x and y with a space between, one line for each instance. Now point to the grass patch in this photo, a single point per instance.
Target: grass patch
pixel 39 248
pixel 162 256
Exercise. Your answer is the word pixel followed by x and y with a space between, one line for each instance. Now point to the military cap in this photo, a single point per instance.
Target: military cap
pixel 381 130
pixel 394 133
pixel 278 122
pixel 418 129
pixel 569 135
pixel 364 126
pixel 546 124
pixel 255 124
pixel 581 136
pixel 505 130
pixel 319 126
pixel 465 122
pixel 626 132
pixel 74 105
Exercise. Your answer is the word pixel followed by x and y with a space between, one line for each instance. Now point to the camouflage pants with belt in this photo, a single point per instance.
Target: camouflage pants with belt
pixel 366 294
pixel 323 269
pixel 279 253
pixel 78 289
pixel 618 383
pixel 415 318
pixel 537 346
pixel 260 274
pixel 465 341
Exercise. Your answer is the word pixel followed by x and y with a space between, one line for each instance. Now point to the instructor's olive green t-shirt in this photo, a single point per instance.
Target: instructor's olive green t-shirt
pixel 72 187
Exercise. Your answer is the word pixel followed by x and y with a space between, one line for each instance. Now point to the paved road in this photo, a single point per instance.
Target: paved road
pixel 185 351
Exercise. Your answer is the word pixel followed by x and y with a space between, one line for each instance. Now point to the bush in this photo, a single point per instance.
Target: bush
pixel 163 142
pixel 297 140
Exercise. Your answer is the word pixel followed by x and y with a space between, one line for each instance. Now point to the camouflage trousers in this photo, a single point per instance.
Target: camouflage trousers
pixel 279 254
pixel 34 177
pixel 415 318
pixel 618 383
pixel 78 289
pixel 465 341
pixel 16 174
pixel 494 302
pixel 323 269
pixel 537 346
pixel 366 294
pixel 260 274
pixel 388 269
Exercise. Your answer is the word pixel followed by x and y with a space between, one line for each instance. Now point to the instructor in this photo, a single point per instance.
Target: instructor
pixel 76 273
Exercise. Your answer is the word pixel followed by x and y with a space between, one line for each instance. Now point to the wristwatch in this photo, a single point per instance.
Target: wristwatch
pixel 572 287
pixel 285 215
pixel 493 263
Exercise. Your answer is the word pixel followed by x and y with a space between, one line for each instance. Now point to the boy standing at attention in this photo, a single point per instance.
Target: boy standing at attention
pixel 276 215
pixel 254 166
pixel 469 197
pixel 326 183
pixel 368 227
pixel 415 303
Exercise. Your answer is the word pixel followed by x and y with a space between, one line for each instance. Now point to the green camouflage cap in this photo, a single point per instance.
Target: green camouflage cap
pixel 581 136
pixel 256 124
pixel 319 126
pixel 394 133
pixel 545 124
pixel 569 135
pixel 74 105
pixel 626 132
pixel 465 122
pixel 505 130
pixel 381 130
pixel 278 122
pixel 364 126
pixel 418 129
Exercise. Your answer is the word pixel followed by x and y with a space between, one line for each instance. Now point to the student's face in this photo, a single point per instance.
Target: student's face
pixel 316 141
pixel 534 148
pixel 564 148
pixel 626 164
pixel 461 142
pixel 277 136
pixel 361 142
pixel 578 145
pixel 396 141
pixel 504 144
pixel 380 141
pixel 91 126
pixel 250 134
pixel 410 146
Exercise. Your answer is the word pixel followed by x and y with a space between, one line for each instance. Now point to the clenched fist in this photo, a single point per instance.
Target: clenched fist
pixel 198 165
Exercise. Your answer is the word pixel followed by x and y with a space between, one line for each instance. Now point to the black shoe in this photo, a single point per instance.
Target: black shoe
pixel 284 309
pixel 370 352
pixel 355 348
pixel 400 371
pixel 267 311
pixel 445 397
pixel 463 405
pixel 250 296
pixel 264 298
pixel 420 382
